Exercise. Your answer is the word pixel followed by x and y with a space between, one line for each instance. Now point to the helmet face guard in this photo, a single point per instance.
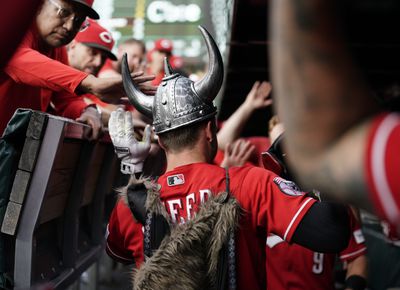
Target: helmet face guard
pixel 179 101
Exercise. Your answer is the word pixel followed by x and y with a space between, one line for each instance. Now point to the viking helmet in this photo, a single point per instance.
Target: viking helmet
pixel 179 101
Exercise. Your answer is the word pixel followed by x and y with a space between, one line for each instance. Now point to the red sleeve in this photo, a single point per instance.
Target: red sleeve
pixel 29 66
pixel 356 245
pixel 95 100
pixel 276 205
pixel 68 105
pixel 124 236
pixel 383 167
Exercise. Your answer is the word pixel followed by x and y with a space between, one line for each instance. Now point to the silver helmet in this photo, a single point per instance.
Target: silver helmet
pixel 179 101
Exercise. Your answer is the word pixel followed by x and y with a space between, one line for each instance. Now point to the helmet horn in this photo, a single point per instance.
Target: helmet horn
pixel 142 102
pixel 207 88
pixel 167 68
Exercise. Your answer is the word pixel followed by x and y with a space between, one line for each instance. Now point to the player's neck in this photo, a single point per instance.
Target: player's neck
pixel 185 157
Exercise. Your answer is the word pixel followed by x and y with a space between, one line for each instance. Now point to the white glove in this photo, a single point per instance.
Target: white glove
pixel 131 151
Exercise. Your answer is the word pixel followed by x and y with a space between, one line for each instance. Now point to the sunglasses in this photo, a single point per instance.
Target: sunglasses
pixel 66 14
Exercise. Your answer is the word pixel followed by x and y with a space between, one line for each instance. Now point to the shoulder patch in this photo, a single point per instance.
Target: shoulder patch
pixel 288 187
pixel 176 179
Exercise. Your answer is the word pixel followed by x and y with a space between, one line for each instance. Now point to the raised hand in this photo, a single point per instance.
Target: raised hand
pixel 258 97
pixel 237 153
pixel 132 152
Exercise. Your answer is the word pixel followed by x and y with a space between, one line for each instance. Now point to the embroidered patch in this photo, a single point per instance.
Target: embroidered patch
pixel 288 187
pixel 174 180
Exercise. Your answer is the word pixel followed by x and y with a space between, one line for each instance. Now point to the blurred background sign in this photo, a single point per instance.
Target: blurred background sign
pixel 176 20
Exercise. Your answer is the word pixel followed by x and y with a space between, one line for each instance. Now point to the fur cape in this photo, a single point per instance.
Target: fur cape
pixel 187 259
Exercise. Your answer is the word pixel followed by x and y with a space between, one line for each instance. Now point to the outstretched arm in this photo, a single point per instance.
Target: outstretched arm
pixel 257 98
pixel 321 99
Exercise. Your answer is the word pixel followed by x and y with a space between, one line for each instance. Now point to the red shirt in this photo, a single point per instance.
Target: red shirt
pixel 297 268
pixel 124 244
pixel 271 205
pixel 260 143
pixel 383 167
pixel 33 78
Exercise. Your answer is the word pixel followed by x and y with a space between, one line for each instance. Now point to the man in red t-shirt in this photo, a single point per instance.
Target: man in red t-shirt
pixel 184 120
pixel 336 140
pixel 88 52
pixel 135 50
pixel 91 47
pixel 38 75
pixel 155 58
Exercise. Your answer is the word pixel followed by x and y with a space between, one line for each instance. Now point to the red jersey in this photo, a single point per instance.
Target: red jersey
pixel 297 268
pixel 271 205
pixel 124 243
pixel 383 167
pixel 33 78
pixel 261 144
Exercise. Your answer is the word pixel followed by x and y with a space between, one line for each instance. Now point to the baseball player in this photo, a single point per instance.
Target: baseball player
pixel 337 140
pixel 184 120
pixel 295 267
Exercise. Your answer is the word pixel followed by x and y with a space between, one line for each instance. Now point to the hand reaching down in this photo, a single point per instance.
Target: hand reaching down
pixel 93 118
pixel 111 90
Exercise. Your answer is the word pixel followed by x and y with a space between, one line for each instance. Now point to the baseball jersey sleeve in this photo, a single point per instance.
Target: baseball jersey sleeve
pixel 30 67
pixel 356 245
pixel 276 205
pixel 124 236
pixel 68 105
pixel 383 166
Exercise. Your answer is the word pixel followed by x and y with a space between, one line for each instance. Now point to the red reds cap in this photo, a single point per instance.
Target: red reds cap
pixel 87 5
pixel 98 37
pixel 164 45
pixel 176 62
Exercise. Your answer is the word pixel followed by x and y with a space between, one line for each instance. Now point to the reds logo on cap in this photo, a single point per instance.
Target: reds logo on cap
pixel 106 37
pixel 163 44
pixel 98 37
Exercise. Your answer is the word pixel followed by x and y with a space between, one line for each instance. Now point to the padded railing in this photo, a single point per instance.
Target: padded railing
pixel 55 213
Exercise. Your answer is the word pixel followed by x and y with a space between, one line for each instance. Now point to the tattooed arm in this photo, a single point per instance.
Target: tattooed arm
pixel 321 99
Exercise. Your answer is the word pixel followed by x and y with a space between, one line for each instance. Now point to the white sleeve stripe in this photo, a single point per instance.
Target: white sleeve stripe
pixel 353 253
pixel 295 216
pixel 118 256
pixel 378 167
